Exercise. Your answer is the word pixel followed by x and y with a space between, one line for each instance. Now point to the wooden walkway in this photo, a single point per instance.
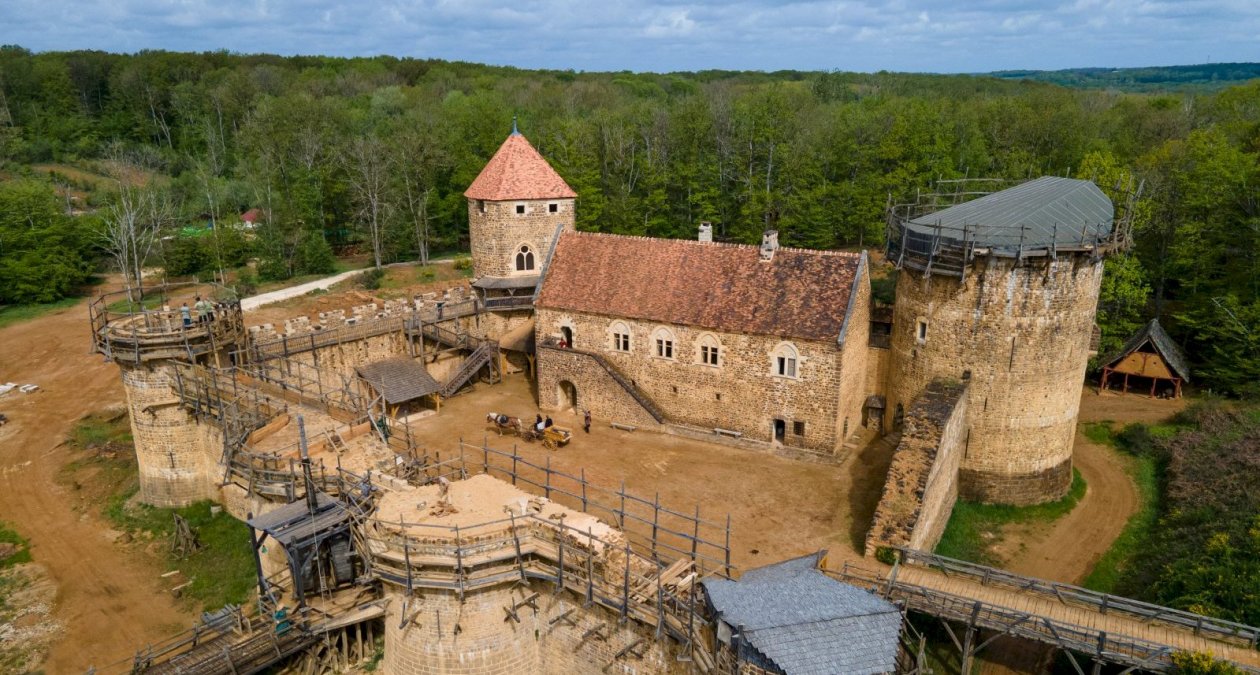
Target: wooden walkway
pixel 1106 628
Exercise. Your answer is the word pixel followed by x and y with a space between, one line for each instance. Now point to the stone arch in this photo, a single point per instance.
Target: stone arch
pixel 567 395
pixel 664 343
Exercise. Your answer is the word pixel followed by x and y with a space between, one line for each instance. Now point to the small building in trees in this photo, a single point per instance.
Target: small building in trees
pixel 1149 356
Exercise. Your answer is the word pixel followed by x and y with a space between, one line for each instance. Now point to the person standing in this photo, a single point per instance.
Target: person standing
pixel 186 314
pixel 586 421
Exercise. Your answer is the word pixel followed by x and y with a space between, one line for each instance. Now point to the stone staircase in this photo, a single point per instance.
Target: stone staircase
pixel 632 390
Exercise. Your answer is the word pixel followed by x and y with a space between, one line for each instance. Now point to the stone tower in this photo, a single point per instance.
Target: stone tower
pixel 516 207
pixel 150 348
pixel 1001 291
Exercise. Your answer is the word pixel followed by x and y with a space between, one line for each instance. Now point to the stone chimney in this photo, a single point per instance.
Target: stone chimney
pixel 769 244
pixel 706 231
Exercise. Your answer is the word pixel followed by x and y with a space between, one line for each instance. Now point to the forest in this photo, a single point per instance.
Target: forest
pixel 154 152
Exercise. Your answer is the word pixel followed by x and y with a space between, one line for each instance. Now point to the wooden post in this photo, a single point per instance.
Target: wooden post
pixel 728 545
pixel 621 515
pixel 625 586
pixel 656 517
pixel 583 489
pixel 695 537
pixel 547 478
pixel 514 457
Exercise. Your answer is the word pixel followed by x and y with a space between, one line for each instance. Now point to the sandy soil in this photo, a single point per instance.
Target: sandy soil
pixel 107 601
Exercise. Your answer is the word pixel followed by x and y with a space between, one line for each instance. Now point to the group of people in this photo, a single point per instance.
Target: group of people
pixel 205 312
pixel 541 424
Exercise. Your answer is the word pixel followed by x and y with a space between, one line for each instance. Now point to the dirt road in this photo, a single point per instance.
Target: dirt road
pixel 1067 549
pixel 108 601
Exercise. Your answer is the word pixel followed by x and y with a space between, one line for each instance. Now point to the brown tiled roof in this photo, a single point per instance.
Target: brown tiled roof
pixel 517 171
pixel 725 287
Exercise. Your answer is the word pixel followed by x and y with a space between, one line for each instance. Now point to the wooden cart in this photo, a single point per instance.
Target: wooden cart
pixel 555 437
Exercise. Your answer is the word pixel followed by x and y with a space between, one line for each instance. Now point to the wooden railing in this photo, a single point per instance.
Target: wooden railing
pixel 1104 603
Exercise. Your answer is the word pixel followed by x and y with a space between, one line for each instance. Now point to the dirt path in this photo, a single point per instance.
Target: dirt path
pixel 108 602
pixel 1068 548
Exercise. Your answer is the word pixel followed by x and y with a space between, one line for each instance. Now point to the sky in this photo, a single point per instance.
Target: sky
pixel 941 36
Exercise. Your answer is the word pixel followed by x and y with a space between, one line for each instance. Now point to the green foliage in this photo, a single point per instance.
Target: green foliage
pixel 974 527
pixel 1203 555
pixel 45 255
pixel 370 279
pixel 1118 561
pixel 462 263
pixel 316 256
pixel 1198 663
pixel 21 547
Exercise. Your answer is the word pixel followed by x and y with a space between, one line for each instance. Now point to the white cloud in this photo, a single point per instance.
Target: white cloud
pixel 674 23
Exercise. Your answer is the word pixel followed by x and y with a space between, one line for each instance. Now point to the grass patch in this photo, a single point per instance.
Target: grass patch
pixel 20 553
pixel 974 528
pixel 103 474
pixel 1117 560
pixel 126 306
pixel 11 314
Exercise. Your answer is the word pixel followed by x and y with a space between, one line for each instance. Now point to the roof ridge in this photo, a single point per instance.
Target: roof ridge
pixel 729 244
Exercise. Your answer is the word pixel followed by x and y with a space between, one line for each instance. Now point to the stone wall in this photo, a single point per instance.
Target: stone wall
pixel 1022 331
pixel 740 394
pixel 922 483
pixel 474 637
pixel 175 466
pixel 496 232
pixel 336 363
pixel 854 356
pixel 596 390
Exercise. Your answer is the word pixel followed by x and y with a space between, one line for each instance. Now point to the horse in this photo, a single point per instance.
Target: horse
pixel 504 423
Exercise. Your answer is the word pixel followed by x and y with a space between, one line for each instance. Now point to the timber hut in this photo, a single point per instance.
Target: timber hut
pixel 399 380
pixel 1149 355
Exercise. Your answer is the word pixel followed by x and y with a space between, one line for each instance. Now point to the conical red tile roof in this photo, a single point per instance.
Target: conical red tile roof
pixel 517 171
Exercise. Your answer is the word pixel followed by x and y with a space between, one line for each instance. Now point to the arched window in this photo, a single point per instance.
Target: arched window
pixel 663 343
pixel 620 333
pixel 709 350
pixel 785 361
pixel 524 259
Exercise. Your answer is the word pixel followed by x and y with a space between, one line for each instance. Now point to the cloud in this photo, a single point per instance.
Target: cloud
pixel 912 35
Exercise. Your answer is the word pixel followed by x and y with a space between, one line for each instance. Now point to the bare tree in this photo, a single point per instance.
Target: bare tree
pixel 130 229
pixel 368 167
pixel 417 158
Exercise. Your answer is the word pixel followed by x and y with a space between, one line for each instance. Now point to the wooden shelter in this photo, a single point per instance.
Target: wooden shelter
pixel 398 380
pixel 1152 355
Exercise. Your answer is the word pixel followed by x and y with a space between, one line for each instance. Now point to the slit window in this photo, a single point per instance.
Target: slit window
pixel 921 331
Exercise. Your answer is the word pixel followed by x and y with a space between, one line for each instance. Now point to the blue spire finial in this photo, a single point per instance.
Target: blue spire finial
pixel 515 132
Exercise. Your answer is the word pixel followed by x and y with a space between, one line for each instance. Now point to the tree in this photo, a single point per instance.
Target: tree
pixel 131 226
pixel 368 167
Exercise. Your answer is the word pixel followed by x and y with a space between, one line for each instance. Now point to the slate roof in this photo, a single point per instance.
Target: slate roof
pixel 295 523
pixel 1163 344
pixel 725 287
pixel 517 171
pixel 399 379
pixel 807 623
pixel 1048 210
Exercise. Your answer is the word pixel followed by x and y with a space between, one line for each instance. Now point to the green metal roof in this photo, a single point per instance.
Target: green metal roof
pixel 1045 212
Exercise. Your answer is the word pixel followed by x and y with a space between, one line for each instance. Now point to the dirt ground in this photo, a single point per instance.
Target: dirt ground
pixel 1067 549
pixel 107 601
pixel 779 507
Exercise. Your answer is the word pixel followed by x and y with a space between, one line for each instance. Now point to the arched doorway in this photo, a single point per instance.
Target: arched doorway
pixel 566 395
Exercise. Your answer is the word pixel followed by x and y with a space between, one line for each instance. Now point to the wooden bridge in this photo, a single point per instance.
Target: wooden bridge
pixel 1100 627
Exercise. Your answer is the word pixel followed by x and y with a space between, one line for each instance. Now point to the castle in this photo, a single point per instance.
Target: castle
pixel 784 346
pixel 305 432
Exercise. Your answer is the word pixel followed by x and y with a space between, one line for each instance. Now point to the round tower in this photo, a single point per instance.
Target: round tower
pixel 517 207
pixel 156 354
pixel 1001 291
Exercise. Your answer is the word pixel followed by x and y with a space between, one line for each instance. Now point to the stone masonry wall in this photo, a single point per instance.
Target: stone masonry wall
pixel 174 465
pixel 498 232
pixel 1022 331
pixel 597 391
pixel 854 361
pixel 741 393
pixel 448 637
pixel 922 483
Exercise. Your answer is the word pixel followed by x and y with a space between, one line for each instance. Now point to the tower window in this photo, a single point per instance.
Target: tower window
pixel 553 208
pixel 524 259
pixel 798 428
pixel 481 205
pixel 520 209
pixel 921 331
